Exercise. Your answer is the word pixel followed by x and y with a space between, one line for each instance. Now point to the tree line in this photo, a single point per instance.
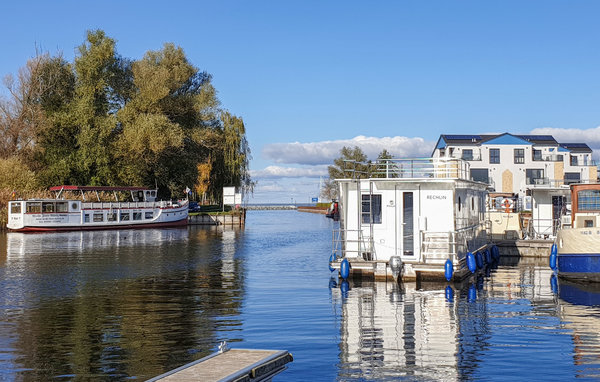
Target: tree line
pixel 104 119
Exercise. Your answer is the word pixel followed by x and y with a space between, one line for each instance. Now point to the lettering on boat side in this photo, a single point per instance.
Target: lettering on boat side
pixel 438 197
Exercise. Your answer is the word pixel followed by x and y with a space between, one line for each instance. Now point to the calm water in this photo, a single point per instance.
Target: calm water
pixel 134 304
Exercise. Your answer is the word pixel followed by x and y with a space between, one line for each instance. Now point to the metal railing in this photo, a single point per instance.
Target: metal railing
pixel 360 246
pixel 120 205
pixel 416 168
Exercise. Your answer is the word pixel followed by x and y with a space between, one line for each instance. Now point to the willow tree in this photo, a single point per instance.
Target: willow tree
pixel 162 124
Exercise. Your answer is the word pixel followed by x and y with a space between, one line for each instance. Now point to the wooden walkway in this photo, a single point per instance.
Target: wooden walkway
pixel 232 365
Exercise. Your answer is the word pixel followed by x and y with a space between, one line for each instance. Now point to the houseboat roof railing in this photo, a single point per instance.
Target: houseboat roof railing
pixel 416 168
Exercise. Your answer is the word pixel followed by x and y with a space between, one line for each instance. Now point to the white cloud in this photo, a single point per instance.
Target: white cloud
pixel 589 136
pixel 324 152
pixel 290 172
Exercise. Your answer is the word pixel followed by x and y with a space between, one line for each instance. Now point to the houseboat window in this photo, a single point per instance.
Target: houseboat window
pixel 588 223
pixel 534 176
pixel 153 193
pixel 124 216
pixel 98 217
pixel 15 208
pixel 111 217
pixel 33 207
pixel 459 203
pixel 588 200
pixel 494 156
pixel 62 207
pixel 519 156
pixel 47 207
pixel 149 215
pixel 86 218
pixel 137 216
pixel 371 209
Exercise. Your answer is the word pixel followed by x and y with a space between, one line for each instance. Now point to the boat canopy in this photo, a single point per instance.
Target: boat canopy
pixel 138 194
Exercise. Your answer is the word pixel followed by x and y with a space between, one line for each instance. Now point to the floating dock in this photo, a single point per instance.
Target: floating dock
pixel 239 365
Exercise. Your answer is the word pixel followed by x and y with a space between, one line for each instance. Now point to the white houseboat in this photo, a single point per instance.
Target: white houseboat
pixel 143 211
pixel 407 218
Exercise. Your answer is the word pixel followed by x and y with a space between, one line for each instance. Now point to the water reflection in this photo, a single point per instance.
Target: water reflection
pixel 579 309
pixel 116 304
pixel 447 331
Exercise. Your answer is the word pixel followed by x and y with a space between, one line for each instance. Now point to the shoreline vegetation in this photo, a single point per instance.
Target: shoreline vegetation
pixel 107 120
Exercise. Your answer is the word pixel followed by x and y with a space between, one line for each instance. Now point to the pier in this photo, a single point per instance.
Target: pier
pixel 231 365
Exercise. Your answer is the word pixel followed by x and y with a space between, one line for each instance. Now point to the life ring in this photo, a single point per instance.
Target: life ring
pixel 506 204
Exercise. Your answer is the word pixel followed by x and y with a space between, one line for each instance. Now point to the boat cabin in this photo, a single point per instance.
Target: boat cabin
pixel 422 211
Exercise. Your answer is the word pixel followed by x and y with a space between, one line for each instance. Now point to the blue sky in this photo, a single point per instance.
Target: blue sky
pixel 308 77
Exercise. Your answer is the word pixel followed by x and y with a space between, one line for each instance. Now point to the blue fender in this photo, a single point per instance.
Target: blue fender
pixel 488 256
pixel 345 269
pixel 471 264
pixel 553 256
pixel 479 260
pixel 448 269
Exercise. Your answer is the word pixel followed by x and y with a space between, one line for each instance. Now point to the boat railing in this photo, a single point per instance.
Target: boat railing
pixel 437 247
pixel 540 228
pixel 412 168
pixel 352 243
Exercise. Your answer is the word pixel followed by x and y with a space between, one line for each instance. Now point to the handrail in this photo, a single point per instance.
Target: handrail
pixel 417 168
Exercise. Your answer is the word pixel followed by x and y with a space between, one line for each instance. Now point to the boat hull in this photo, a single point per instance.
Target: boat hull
pixel 176 223
pixel 578 254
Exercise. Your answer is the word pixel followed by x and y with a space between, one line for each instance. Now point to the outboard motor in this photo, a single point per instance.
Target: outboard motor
pixel 396 266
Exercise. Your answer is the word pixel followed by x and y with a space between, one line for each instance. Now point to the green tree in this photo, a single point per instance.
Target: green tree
pixel 352 163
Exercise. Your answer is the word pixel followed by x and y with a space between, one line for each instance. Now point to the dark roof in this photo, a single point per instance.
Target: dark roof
pixel 577 147
pixel 462 139
pixel 539 139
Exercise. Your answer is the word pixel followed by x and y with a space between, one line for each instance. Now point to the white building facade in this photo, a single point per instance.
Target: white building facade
pixel 518 163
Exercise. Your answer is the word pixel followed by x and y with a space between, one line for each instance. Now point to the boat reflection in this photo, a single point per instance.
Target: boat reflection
pixel 579 311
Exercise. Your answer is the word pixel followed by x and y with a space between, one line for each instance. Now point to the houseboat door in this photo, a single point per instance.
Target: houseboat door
pixel 407 230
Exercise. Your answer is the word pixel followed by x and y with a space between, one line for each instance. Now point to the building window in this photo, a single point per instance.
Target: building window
pixel 467 154
pixel 494 156
pixel 537 154
pixel 573 160
pixel 572 177
pixel 371 209
pixel 588 200
pixel 519 156
pixel 480 175
pixel 534 176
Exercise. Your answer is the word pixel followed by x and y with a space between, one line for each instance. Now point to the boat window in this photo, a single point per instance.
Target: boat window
pixel 472 203
pixel 15 208
pixel 124 216
pixel 111 217
pixel 74 206
pixel 588 223
pixel 588 200
pixel 459 203
pixel 147 193
pixel 153 193
pixel 371 209
pixel 149 215
pixel 137 216
pixel 86 218
pixel 62 206
pixel 33 207
pixel 47 207
pixel 98 217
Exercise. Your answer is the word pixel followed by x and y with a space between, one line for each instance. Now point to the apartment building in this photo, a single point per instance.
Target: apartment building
pixel 516 164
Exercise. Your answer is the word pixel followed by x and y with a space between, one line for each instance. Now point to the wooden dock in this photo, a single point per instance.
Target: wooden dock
pixel 239 365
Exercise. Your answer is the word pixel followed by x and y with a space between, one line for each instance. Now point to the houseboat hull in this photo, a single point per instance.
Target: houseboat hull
pixel 578 254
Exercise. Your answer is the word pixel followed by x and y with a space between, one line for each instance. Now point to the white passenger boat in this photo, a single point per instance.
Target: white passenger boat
pixel 143 211
pixel 577 245
pixel 411 218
